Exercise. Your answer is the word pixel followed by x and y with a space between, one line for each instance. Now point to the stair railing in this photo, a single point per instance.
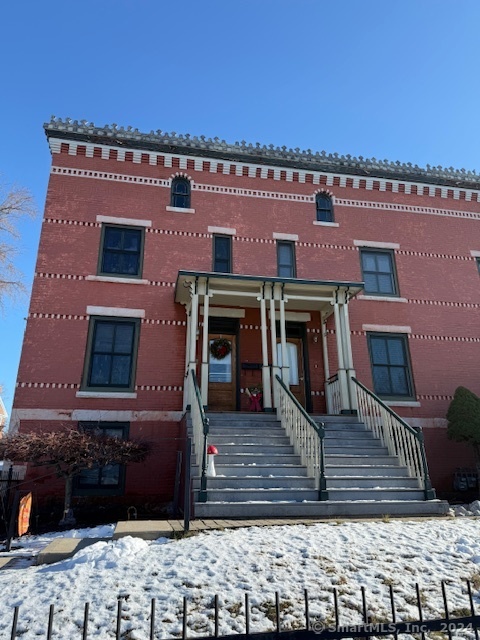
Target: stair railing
pixel 401 440
pixel 200 428
pixel 306 436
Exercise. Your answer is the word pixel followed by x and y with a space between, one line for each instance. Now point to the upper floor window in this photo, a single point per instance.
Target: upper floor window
pixel 180 196
pixel 478 264
pixel 222 254
pixel 324 206
pixel 121 251
pixel 379 272
pixel 392 377
pixel 286 260
pixel 111 354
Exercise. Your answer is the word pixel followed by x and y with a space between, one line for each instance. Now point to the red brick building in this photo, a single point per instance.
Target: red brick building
pixel 154 245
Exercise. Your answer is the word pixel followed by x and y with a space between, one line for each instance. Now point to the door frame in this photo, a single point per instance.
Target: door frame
pixel 229 327
pixel 299 330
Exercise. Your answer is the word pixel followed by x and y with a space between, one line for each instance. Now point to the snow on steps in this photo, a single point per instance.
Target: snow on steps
pixel 258 474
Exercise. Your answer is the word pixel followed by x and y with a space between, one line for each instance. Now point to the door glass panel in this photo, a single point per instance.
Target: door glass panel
pixel 220 370
pixel 292 361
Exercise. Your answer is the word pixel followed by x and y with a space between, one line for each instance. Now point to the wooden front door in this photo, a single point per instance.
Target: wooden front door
pixel 296 365
pixel 222 378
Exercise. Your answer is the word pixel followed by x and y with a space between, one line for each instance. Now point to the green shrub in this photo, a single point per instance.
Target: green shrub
pixel 463 417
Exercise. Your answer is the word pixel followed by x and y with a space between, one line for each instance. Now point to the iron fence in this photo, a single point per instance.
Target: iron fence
pixel 309 626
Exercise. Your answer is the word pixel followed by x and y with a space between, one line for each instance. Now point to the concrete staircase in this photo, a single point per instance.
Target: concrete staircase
pixel 259 475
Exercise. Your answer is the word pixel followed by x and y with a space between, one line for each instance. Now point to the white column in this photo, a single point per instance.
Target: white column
pixel 266 382
pixel 192 364
pixel 342 374
pixel 186 383
pixel 283 339
pixel 326 365
pixel 273 338
pixel 348 354
pixel 204 382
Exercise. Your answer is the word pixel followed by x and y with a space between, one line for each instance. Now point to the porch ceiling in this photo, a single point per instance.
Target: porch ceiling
pixel 237 290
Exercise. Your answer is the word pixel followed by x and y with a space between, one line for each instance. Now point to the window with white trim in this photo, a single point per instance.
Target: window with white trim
pixel 324 206
pixel 378 272
pixel 180 193
pixel 286 267
pixel 111 354
pixel 391 370
pixel 121 251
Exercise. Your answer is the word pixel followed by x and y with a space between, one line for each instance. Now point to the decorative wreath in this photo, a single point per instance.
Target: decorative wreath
pixel 220 348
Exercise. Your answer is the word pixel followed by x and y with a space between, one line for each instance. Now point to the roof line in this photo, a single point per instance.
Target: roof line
pixel 262 154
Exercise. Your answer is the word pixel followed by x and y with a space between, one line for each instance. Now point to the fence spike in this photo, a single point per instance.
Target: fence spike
pixel 247 615
pixel 85 621
pixel 392 606
pixel 445 604
pixel 335 604
pixel 364 604
pixel 119 618
pixel 277 610
pixel 216 615
pixel 184 626
pixel 50 622
pixel 307 613
pixel 419 604
pixel 14 623
pixel 472 608
pixel 152 619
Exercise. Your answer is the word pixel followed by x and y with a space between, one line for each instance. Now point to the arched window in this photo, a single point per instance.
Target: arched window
pixel 180 193
pixel 324 208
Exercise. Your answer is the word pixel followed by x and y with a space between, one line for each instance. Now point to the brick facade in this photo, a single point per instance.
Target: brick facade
pixel 433 227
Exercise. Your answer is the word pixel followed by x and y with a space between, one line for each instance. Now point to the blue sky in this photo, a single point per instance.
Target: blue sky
pixel 377 78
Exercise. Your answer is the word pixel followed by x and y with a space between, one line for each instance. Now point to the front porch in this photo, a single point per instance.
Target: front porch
pixel 288 337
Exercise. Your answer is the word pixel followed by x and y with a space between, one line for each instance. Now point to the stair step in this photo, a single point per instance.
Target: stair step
pixel 246 448
pixel 261 495
pixel 360 460
pixel 314 509
pixel 364 470
pixel 380 494
pixel 256 458
pixel 351 436
pixel 369 451
pixel 247 431
pixel 259 469
pixel 253 482
pixel 240 438
pixel 347 482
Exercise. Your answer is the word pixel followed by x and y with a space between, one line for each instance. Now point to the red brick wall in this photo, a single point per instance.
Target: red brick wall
pixel 435 270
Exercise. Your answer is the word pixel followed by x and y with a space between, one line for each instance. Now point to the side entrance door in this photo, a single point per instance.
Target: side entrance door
pixel 296 366
pixel 222 383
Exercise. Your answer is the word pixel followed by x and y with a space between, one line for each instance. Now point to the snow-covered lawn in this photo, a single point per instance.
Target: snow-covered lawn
pixel 254 560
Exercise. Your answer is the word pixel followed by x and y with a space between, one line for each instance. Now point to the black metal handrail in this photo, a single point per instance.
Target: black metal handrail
pixel 319 429
pixel 202 494
pixel 416 432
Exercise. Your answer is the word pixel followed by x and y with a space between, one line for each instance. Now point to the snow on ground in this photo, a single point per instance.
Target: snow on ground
pixel 32 545
pixel 254 560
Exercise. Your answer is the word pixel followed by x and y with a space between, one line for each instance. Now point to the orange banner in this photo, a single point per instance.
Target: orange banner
pixel 24 514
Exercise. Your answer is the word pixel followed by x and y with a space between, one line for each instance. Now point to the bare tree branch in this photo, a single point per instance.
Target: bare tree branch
pixel 16 203
pixel 70 452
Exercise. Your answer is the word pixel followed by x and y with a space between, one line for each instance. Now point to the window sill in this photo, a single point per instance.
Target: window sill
pixel 319 223
pixel 381 298
pixel 119 280
pixel 402 403
pixel 179 210
pixel 106 394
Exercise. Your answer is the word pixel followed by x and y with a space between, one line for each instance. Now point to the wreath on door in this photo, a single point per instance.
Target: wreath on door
pixel 220 348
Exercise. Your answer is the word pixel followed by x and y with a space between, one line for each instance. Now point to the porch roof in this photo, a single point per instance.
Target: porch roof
pixel 238 290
